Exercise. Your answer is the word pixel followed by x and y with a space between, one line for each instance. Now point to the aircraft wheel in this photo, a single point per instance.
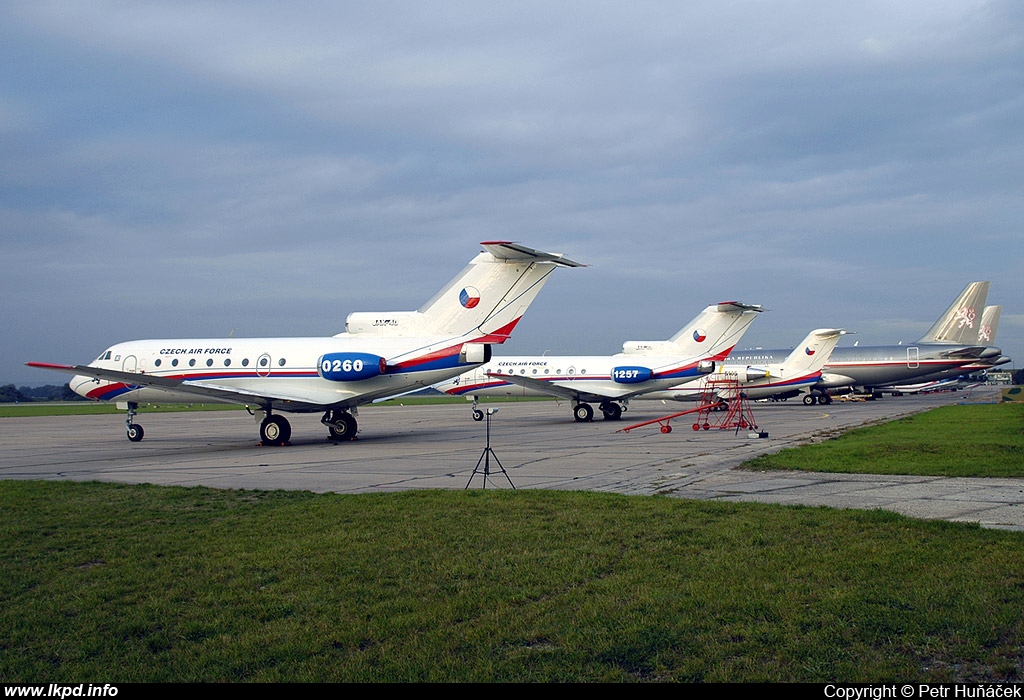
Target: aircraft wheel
pixel 583 413
pixel 810 400
pixel 825 399
pixel 611 411
pixel 666 429
pixel 275 431
pixel 478 415
pixel 706 426
pixel 696 427
pixel 135 432
pixel 344 428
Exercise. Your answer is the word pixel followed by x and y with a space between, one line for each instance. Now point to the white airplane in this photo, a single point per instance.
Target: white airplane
pixel 794 375
pixel 610 380
pixel 380 354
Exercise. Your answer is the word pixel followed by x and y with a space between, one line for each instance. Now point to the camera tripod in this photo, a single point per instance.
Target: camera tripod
pixel 486 455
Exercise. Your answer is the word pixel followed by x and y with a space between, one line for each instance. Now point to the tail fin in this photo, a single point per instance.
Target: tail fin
pixel 712 335
pixel 813 351
pixel 959 323
pixel 481 304
pixel 989 325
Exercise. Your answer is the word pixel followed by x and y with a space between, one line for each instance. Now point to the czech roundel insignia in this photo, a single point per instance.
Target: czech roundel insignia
pixel 808 351
pixel 699 336
pixel 469 297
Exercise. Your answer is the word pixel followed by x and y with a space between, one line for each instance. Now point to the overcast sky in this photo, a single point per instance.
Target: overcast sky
pixel 193 169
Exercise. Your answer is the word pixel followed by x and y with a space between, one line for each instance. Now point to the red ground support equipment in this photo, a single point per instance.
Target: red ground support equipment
pixel 664 421
pixel 721 405
pixel 725 388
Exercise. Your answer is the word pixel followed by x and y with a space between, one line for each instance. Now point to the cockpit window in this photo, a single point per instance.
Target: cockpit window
pixel 103 356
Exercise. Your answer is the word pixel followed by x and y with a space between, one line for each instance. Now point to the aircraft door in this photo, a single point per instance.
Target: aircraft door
pixel 263 365
pixel 130 364
pixel 913 358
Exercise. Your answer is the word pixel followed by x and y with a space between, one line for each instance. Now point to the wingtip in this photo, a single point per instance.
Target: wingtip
pixel 48 365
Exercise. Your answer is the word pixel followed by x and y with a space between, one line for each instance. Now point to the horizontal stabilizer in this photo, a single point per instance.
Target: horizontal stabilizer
pixel 505 250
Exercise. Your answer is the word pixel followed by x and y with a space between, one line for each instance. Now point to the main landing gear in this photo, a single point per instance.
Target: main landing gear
pixel 135 432
pixel 583 412
pixel 275 431
pixel 341 424
pixel 817 397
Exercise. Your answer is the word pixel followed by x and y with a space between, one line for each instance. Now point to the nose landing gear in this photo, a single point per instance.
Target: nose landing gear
pixel 135 432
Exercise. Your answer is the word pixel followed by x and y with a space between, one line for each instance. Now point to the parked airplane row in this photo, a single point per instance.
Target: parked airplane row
pixel 955 341
pixel 813 368
pixel 447 344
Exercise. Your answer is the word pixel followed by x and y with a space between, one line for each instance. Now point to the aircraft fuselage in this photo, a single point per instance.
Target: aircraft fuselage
pixel 322 371
pixel 871 366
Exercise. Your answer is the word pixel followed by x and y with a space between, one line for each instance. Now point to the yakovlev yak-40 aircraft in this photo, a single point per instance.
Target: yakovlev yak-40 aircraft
pixel 949 344
pixel 380 354
pixel 611 380
pixel 798 372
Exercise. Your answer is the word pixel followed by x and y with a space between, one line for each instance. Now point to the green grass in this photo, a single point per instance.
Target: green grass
pixel 967 440
pixel 113 583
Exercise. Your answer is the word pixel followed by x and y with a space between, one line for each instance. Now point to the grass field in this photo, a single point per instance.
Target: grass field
pixel 969 440
pixel 115 583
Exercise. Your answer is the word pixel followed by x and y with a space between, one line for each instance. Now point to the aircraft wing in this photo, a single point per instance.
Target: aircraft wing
pixel 200 389
pixel 583 390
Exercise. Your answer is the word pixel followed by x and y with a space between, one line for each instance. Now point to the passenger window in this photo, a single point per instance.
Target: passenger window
pixel 281 362
pixel 174 362
pixel 245 362
pixel 156 363
pixel 209 363
pixel 227 363
pixel 192 362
